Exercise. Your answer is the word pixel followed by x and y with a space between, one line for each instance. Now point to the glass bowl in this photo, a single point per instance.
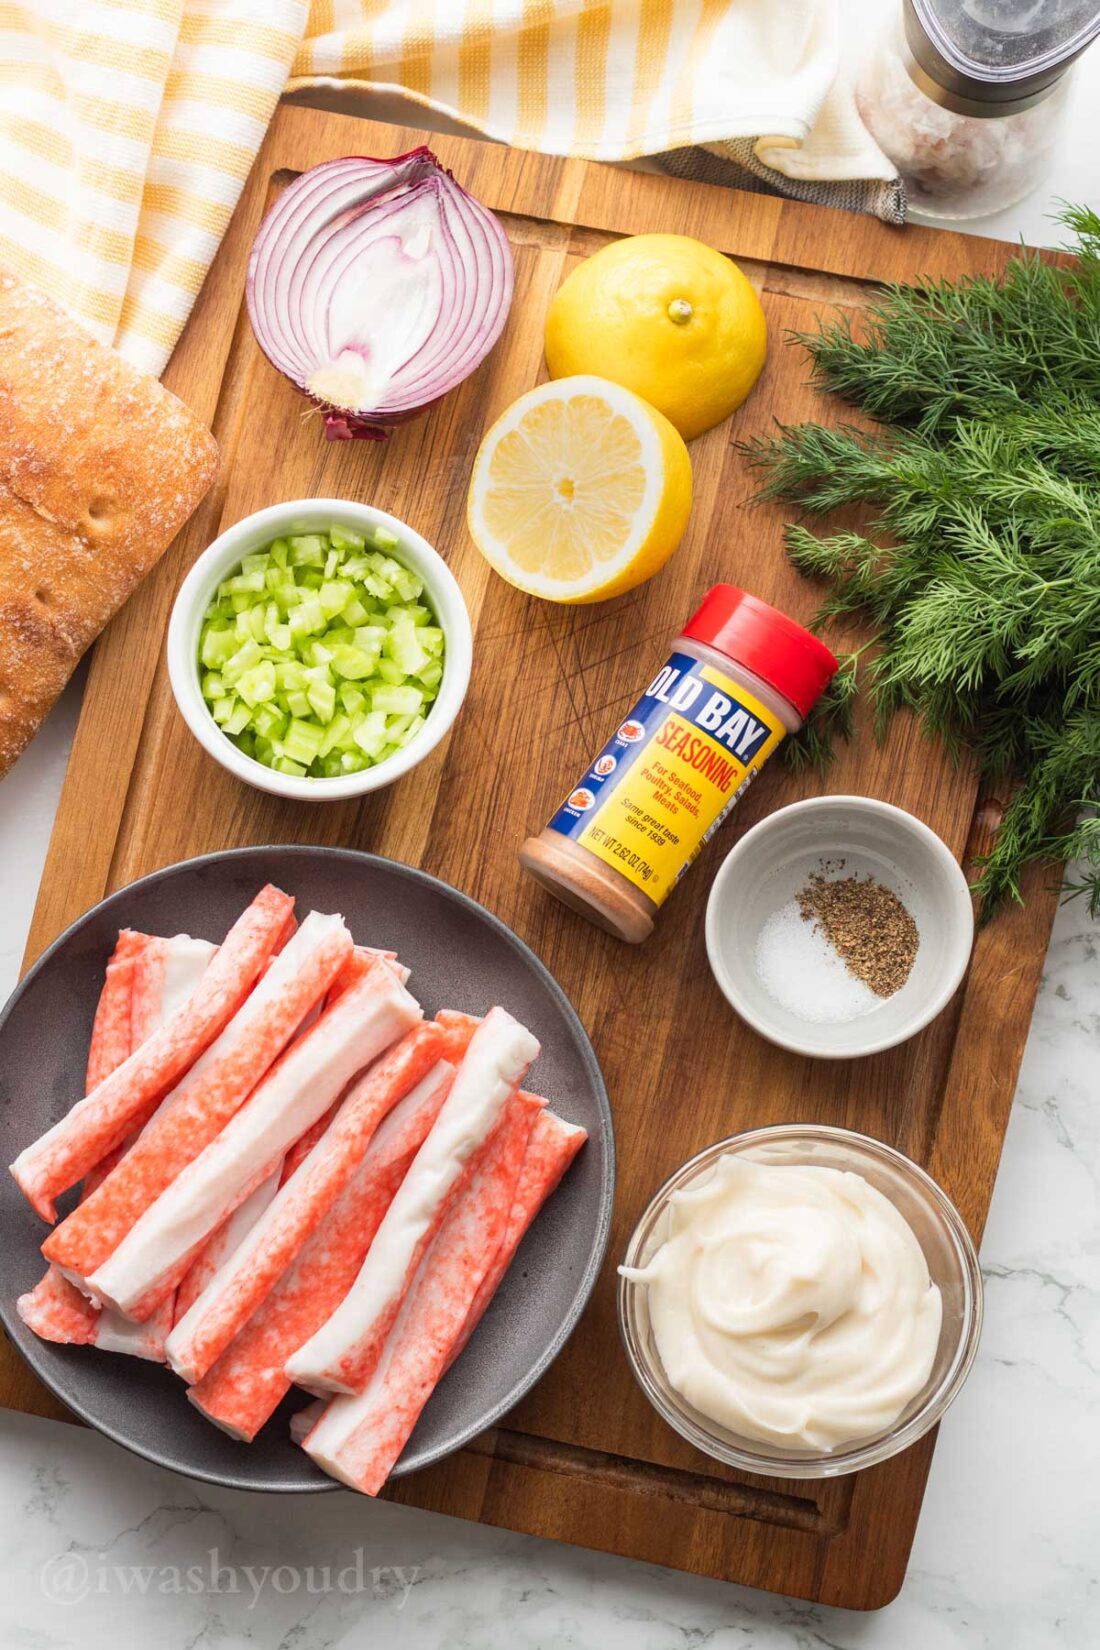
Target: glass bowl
pixel 952 1266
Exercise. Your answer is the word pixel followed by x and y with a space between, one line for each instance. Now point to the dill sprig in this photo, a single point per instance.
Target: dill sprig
pixel 980 571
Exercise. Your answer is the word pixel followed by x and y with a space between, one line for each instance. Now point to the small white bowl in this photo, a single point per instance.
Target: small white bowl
pixel 311 515
pixel 771 864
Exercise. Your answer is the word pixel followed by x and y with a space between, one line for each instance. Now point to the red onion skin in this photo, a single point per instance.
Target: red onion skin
pixel 348 426
pixel 340 424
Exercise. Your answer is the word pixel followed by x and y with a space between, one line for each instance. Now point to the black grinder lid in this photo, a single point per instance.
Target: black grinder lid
pixel 996 57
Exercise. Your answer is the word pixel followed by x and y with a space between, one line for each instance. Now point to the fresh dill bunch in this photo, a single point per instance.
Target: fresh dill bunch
pixel 979 573
pixel 977 346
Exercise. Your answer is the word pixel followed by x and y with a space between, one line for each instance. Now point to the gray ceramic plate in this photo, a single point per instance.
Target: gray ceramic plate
pixel 462 957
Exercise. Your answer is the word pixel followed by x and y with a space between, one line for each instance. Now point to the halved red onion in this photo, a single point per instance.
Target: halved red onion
pixel 376 286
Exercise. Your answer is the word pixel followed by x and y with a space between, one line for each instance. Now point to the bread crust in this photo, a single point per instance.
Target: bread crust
pixel 100 466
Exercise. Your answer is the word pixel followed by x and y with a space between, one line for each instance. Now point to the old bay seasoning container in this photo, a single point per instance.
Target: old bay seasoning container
pixel 740 677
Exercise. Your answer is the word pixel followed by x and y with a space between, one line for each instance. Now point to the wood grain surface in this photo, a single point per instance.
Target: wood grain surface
pixel 583 1458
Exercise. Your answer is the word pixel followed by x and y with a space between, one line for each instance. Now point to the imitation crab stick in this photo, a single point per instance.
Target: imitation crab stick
pixel 57 1311
pixel 342 1355
pixel 298 1209
pixel 303 1421
pixel 223 1244
pixel 305 1144
pixel 290 1223
pixel 246 1384
pixel 111 1041
pixel 153 1256
pixel 459 1029
pixel 387 956
pixel 207 1098
pixel 552 1146
pixel 165 973
pixel 146 981
pixel 114 1333
pixel 358 1439
pixel 58 1158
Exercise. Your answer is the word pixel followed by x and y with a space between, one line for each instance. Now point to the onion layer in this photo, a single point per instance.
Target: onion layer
pixel 377 286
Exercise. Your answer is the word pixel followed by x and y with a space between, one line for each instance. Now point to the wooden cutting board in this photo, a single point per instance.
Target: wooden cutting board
pixel 583 1458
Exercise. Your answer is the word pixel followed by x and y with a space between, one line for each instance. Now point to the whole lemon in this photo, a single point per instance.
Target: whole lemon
pixel 667 317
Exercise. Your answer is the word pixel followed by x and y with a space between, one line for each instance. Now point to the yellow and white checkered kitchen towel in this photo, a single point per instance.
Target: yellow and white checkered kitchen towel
pixel 127 127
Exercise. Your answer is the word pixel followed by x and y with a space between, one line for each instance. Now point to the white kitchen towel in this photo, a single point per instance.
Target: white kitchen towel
pixel 760 83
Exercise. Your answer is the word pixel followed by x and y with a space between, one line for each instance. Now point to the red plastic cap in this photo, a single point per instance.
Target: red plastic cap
pixel 787 656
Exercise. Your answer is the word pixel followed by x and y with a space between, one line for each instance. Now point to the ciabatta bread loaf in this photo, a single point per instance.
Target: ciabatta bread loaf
pixel 100 466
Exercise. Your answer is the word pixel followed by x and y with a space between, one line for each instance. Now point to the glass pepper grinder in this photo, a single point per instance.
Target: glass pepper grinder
pixel 966 97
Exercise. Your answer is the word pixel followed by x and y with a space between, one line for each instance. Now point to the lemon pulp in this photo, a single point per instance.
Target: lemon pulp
pixel 580 491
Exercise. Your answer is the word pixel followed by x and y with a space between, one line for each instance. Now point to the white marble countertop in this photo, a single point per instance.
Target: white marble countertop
pixel 1007 1554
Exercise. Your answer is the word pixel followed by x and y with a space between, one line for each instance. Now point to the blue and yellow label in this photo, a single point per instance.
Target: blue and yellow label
pixel 669 775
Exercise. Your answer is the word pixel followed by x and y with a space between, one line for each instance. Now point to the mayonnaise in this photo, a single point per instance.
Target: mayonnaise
pixel 791 1304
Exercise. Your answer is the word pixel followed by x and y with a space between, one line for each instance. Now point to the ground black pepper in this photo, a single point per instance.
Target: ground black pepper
pixel 867 925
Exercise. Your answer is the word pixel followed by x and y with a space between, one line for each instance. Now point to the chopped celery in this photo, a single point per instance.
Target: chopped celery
pixel 404 649
pixel 355 612
pixel 218 645
pixel 319 655
pixel 307 550
pixel 336 734
pixel 237 720
pixel 397 701
pixel 290 673
pixel 342 538
pixel 352 698
pixel 322 699
pixel 353 664
pixel 391 672
pixel 333 594
pixel 307 619
pixel 269 721
pixel 302 741
pixel 339 635
pixel 243 584
pixel 257 685
pixel 370 733
pixel 245 658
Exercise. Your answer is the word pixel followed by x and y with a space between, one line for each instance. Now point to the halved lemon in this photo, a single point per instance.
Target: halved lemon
pixel 580 491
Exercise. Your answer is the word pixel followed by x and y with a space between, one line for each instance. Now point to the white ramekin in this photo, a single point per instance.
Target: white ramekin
pixel 311 515
pixel 772 861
